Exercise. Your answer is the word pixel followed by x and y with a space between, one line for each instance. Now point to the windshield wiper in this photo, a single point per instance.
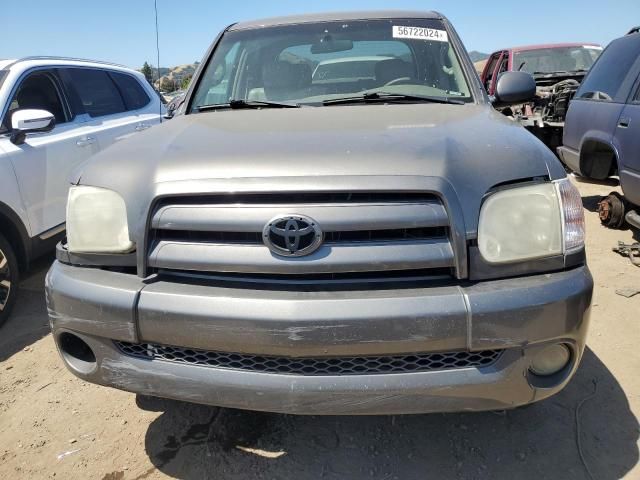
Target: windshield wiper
pixel 247 104
pixel 378 97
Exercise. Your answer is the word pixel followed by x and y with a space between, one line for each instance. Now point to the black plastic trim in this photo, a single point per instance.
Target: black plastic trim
pixel 95 259
pixel 479 269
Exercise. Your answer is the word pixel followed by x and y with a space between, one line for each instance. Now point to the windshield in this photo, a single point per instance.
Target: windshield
pixel 559 59
pixel 311 63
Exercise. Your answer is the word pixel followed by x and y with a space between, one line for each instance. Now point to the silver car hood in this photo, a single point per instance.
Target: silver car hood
pixel 471 147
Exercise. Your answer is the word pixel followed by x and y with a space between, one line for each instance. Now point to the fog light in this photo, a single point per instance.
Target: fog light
pixel 550 360
pixel 77 353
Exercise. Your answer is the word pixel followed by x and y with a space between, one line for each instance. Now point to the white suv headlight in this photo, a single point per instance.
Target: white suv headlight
pixel 534 221
pixel 97 221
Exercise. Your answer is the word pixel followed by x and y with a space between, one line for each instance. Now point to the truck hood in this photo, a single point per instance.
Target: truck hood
pixel 548 79
pixel 471 147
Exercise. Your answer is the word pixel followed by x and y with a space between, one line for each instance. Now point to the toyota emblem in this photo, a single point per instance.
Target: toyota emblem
pixel 292 235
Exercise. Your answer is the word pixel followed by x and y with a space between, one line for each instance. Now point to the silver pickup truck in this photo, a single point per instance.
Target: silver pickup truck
pixel 375 240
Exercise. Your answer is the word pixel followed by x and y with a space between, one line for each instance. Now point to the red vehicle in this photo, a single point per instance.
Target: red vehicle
pixel 557 69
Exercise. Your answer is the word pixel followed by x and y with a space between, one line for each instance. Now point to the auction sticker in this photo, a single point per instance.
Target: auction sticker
pixel 420 33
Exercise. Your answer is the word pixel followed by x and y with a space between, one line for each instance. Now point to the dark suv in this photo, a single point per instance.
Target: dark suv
pixel 379 241
pixel 602 130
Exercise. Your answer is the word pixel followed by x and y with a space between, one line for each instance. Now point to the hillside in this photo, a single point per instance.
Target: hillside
pixel 477 56
pixel 171 78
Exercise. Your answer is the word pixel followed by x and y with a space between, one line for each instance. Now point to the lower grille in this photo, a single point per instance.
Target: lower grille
pixel 418 362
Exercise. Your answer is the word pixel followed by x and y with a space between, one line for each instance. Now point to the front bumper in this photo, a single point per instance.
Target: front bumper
pixel 519 315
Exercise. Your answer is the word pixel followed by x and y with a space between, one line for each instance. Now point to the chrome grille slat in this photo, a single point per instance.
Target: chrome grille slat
pixel 333 217
pixel 310 366
pixel 329 258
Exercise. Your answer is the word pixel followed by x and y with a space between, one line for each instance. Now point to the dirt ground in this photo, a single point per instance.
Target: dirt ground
pixel 53 425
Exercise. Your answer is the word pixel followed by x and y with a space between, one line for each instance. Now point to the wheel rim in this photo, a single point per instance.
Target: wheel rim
pixel 5 280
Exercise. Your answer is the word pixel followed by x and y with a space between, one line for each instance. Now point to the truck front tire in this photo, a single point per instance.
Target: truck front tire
pixel 9 279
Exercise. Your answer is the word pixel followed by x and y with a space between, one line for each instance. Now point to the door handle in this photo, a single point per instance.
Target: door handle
pixel 624 122
pixel 86 141
pixel 142 126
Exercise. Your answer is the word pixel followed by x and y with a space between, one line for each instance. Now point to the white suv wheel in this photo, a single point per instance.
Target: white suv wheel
pixel 8 279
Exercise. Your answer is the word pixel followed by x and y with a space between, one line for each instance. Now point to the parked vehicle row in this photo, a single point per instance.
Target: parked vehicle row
pixel 373 238
pixel 55 113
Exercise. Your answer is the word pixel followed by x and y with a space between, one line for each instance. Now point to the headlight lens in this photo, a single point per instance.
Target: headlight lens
pixel 97 221
pixel 529 222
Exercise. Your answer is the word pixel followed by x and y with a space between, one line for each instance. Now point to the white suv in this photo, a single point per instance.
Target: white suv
pixel 54 114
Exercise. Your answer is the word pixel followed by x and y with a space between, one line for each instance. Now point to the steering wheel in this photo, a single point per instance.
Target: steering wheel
pixel 397 81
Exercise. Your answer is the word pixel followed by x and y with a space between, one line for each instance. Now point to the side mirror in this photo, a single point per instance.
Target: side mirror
pixel 171 111
pixel 30 121
pixel 173 107
pixel 513 88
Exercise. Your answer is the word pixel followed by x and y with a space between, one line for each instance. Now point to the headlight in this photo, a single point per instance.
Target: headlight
pixel 97 221
pixel 529 222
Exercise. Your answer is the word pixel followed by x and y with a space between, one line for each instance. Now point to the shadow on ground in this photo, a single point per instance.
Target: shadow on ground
pixel 590 202
pixel 28 322
pixel 611 181
pixel 540 441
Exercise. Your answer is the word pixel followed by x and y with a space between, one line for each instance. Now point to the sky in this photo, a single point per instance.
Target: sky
pixel 123 31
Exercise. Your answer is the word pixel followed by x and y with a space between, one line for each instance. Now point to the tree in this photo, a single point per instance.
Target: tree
pixel 185 82
pixel 147 71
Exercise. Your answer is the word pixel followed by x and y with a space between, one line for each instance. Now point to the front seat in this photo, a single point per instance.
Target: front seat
pixel 392 69
pixel 286 81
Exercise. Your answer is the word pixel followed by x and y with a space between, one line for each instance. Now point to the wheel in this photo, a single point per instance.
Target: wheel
pixel 9 277
pixel 611 210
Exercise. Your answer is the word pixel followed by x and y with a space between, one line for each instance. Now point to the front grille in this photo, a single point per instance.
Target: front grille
pixel 326 366
pixel 380 236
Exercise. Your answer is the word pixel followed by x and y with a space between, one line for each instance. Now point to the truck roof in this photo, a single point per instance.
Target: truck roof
pixel 552 45
pixel 334 16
